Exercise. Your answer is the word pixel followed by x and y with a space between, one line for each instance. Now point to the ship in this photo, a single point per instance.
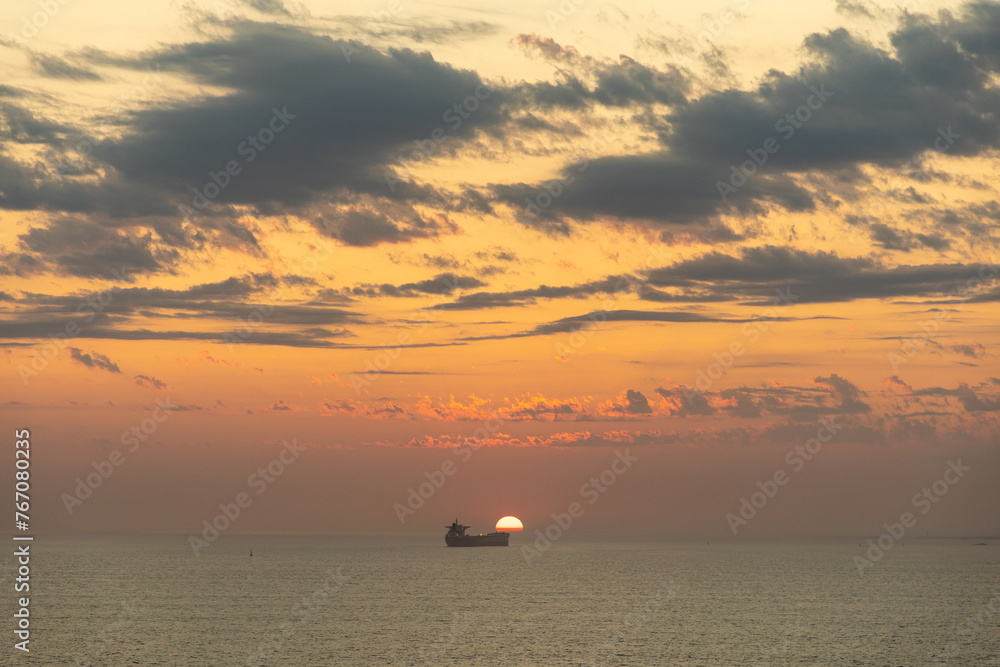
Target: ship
pixel 456 537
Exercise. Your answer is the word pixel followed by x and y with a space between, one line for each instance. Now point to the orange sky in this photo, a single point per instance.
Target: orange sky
pixel 509 245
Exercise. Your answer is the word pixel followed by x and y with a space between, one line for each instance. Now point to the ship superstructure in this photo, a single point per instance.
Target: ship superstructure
pixel 457 537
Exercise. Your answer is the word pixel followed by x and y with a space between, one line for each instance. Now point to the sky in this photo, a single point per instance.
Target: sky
pixel 724 270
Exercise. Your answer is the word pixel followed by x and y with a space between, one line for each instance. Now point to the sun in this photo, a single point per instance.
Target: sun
pixel 510 524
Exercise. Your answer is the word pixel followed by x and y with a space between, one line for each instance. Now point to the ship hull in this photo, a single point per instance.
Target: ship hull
pixel 491 540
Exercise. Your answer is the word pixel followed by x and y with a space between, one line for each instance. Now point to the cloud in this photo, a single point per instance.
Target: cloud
pixel 483 300
pixel 93 360
pixel 304 124
pixel 149 382
pixel 585 81
pixel 423 31
pixel 687 403
pixel 364 227
pixel 972 350
pixel 442 283
pixel 640 187
pixel 849 104
pixel 855 8
pixel 975 403
pixel 20 125
pixel 849 394
pixel 811 276
pixel 896 239
pixel 273 7
pixel 583 322
pixel 280 75
pixel 58 68
pixel 897 386
pixel 630 402
pixel 236 305
pixel 87 249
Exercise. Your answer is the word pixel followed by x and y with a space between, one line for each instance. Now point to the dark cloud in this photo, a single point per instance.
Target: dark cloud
pixel 93 360
pixel 846 391
pixel 851 103
pixel 819 276
pixel 366 227
pixel 972 350
pixel 22 126
pixel 580 322
pixel 237 308
pixel 970 400
pixel 425 31
pixel 236 300
pixel 59 68
pixel 636 403
pixel 307 124
pixel 482 300
pixel 81 247
pixel 345 114
pixel 149 382
pixel 443 283
pixel 660 187
pixel 189 407
pixel 692 403
pixel 584 81
pixel 746 407
pixel 905 240
pixel 855 8
pixel 272 7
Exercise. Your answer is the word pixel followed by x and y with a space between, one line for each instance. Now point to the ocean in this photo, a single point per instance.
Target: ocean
pixel 412 601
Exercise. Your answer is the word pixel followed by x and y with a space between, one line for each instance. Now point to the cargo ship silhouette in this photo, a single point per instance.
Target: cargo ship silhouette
pixel 456 537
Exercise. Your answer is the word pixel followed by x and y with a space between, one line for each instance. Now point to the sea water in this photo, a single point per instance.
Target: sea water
pixel 413 601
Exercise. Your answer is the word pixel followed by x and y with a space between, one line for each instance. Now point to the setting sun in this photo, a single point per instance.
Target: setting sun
pixel 510 524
